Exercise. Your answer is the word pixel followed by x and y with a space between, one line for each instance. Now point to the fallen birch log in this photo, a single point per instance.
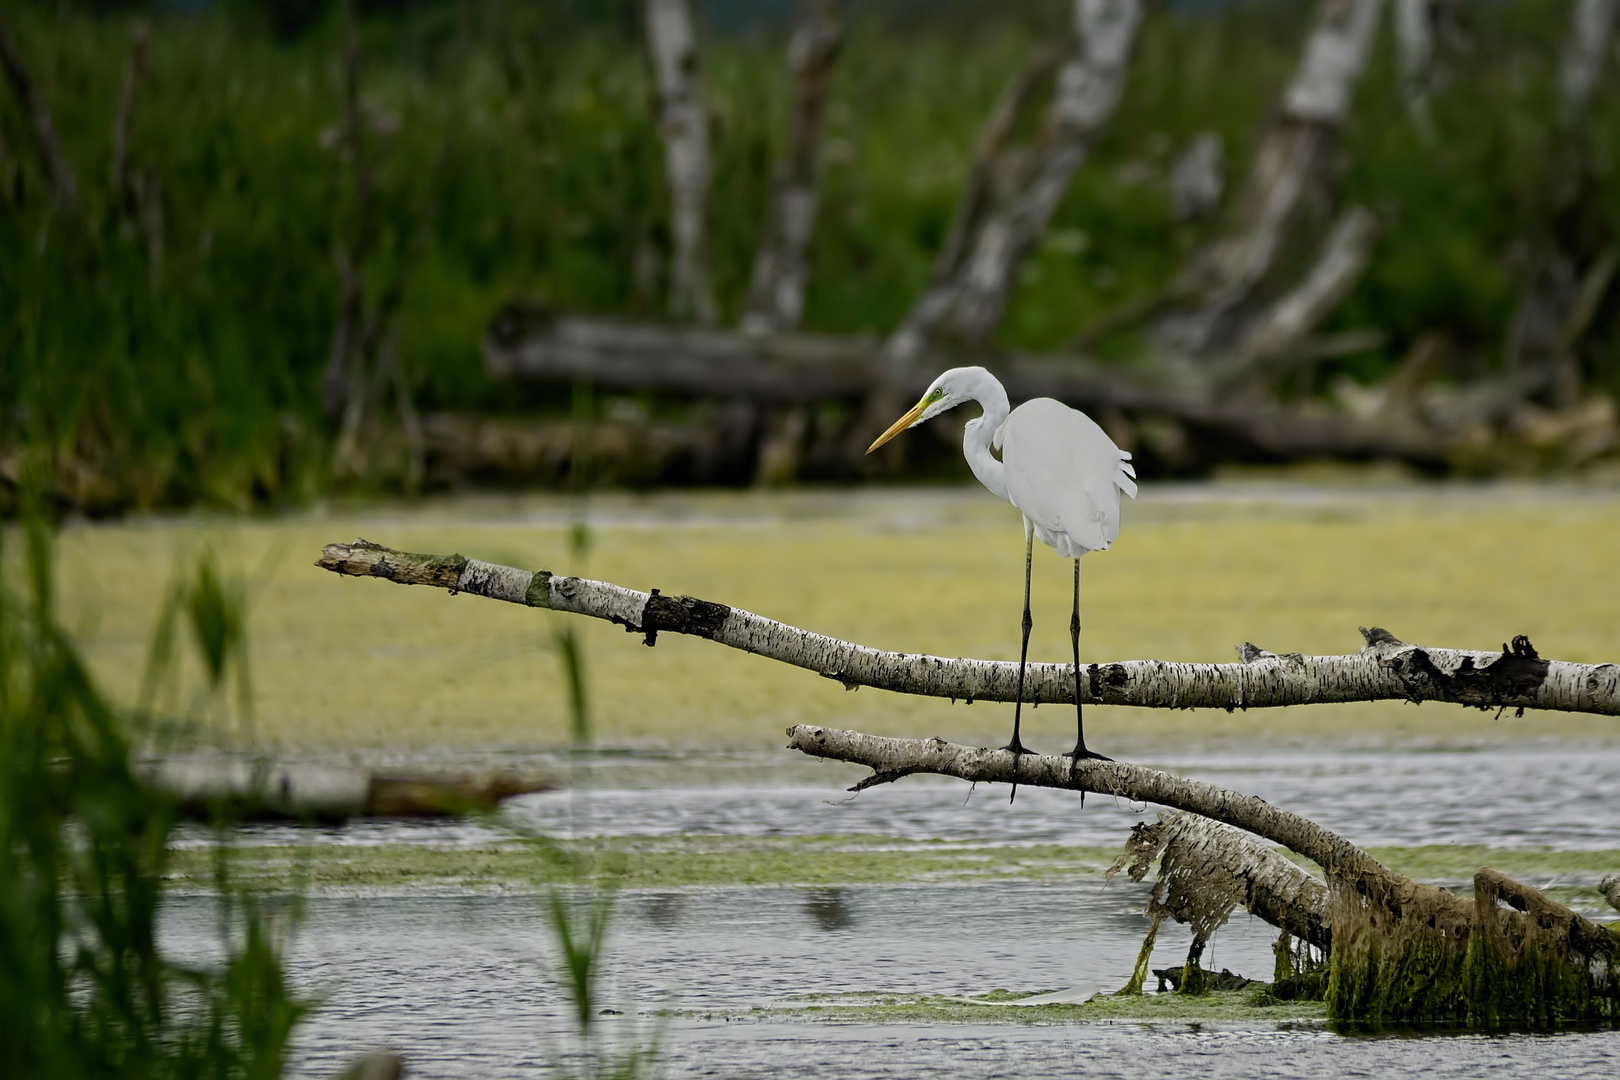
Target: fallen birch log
pixel 241 788
pixel 802 369
pixel 1386 669
pixel 1400 951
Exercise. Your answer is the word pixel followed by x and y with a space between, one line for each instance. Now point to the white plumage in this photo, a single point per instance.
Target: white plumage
pixel 1057 466
pixel 1065 475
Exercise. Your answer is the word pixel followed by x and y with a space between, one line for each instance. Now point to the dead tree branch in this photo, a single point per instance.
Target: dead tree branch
pixel 684 121
pixel 776 301
pixel 802 369
pixel 1287 168
pixel 1590 30
pixel 134 71
pixel 892 759
pixel 1385 670
pixel 1279 330
pixel 58 173
pixel 1414 39
pixel 1013 192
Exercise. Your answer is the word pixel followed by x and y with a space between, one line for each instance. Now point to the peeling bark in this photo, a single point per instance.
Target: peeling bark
pixel 1386 669
pixel 776 301
pixel 1610 888
pixel 1206 869
pixel 59 176
pixel 684 121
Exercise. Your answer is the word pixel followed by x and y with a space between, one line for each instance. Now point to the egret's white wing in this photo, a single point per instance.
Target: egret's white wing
pixel 1065 474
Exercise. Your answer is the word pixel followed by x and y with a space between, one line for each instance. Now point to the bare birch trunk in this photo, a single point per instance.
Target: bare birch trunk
pixel 59 176
pixel 1287 167
pixel 1387 669
pixel 1284 325
pixel 684 121
pixel 1414 38
pixel 1590 32
pixel 1005 213
pixel 776 301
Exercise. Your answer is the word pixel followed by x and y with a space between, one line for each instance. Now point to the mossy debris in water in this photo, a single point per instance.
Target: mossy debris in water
pixel 643 862
pixel 1217 1007
pixel 1402 958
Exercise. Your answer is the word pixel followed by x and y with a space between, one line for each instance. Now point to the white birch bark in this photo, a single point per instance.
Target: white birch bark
pixel 776 300
pixel 684 121
pixel 1590 31
pixel 1338 267
pixel 1386 669
pixel 1287 165
pixel 892 759
pixel 1414 39
pixel 974 279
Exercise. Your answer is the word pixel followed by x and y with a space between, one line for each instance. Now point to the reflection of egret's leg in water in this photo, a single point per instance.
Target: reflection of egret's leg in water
pixel 1016 745
pixel 1079 750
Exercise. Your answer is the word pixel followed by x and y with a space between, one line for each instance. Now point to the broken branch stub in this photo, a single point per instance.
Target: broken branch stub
pixel 1387 669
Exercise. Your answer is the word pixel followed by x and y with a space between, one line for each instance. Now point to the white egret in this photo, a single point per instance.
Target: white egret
pixel 1058 467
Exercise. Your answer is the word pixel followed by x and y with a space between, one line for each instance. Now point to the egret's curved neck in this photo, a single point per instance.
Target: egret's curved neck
pixel 977 434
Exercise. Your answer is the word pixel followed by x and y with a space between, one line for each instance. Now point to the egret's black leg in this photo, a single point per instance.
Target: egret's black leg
pixel 1079 750
pixel 1017 746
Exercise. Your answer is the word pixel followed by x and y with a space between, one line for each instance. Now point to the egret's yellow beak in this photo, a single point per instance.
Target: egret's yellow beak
pixel 898 426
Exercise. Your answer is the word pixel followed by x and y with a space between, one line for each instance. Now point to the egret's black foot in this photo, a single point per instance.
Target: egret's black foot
pixel 1076 756
pixel 1018 748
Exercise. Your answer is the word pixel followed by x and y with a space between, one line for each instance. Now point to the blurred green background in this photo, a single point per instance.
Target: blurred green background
pixel 165 345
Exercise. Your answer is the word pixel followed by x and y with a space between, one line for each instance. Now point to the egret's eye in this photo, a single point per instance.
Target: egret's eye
pixel 936 394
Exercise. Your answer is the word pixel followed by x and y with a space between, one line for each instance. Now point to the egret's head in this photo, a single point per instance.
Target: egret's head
pixel 947 392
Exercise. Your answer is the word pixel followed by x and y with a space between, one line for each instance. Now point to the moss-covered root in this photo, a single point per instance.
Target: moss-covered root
pixel 1511 957
pixel 1140 972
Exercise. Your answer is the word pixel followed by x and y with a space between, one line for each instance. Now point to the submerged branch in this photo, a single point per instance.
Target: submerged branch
pixel 1386 669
